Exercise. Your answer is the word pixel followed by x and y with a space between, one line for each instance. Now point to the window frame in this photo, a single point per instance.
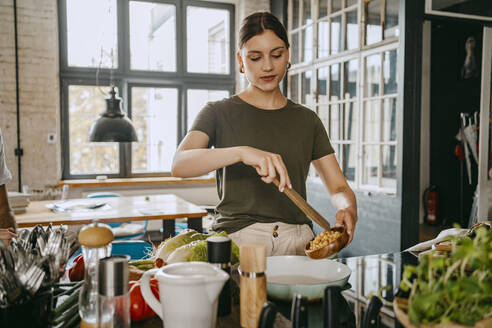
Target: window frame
pixel 125 78
pixel 342 58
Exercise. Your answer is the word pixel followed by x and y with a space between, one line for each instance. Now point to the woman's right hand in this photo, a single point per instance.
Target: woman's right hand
pixel 268 165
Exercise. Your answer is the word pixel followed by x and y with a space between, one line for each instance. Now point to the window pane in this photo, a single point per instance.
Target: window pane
pixel 207 40
pixel 350 121
pixel 336 35
pixel 336 5
pixel 85 104
pixel 323 8
pixel 154 113
pixel 373 73
pixel 323 85
pixel 370 160
pixel 335 131
pixel 336 148
pixel 152 36
pixel 91 33
pixel 389 166
pixel 352 30
pixel 324 116
pixel 349 161
pixel 351 2
pixel 294 55
pixel 351 68
pixel 293 87
pixel 391 21
pixel 307 97
pixel 389 121
pixel 197 99
pixel 295 14
pixel 390 72
pixel 323 39
pixel 335 83
pixel 373 18
pixel 307 36
pixel 306 19
pixel 372 120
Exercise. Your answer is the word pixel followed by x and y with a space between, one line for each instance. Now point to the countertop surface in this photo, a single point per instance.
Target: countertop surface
pixel 371 275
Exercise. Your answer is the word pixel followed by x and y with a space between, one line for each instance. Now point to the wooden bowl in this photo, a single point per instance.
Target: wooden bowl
pixel 330 249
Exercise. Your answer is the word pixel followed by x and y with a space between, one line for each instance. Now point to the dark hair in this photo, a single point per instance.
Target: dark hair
pixel 257 23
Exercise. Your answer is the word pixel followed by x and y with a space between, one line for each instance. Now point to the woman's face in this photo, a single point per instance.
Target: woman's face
pixel 264 58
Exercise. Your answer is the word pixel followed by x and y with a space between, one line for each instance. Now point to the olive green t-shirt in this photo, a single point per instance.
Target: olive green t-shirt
pixel 293 131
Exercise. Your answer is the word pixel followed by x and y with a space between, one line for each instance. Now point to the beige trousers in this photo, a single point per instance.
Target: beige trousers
pixel 279 238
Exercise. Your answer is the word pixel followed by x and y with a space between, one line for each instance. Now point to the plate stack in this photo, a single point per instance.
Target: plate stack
pixel 18 201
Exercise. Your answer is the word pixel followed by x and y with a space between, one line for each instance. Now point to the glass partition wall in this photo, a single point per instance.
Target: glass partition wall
pixel 344 66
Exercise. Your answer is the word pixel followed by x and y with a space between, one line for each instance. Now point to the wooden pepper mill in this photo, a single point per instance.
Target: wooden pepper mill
pixel 252 268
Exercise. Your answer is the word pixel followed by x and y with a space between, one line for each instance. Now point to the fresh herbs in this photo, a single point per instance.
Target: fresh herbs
pixel 454 287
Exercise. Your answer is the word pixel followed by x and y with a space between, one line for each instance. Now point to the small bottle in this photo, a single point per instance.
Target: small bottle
pixel 219 254
pixel 252 268
pixel 95 239
pixel 114 299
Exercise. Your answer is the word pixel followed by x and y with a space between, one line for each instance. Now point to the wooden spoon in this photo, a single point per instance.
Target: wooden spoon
pixel 304 206
pixel 311 213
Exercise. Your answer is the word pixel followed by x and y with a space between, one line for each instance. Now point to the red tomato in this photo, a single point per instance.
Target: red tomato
pixel 77 270
pixel 138 307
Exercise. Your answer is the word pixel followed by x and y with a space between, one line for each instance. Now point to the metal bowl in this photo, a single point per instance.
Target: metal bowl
pixel 330 249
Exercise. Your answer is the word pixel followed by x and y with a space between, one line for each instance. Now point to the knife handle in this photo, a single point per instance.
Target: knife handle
pixel 299 312
pixel 267 315
pixel 371 316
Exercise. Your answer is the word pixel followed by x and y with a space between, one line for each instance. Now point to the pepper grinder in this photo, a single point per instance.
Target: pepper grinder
pixel 95 240
pixel 252 268
pixel 219 254
pixel 114 299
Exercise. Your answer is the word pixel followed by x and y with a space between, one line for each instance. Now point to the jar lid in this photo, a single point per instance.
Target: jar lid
pixel 95 235
pixel 113 275
pixel 218 249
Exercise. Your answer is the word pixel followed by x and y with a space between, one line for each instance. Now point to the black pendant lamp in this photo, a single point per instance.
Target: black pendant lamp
pixel 113 125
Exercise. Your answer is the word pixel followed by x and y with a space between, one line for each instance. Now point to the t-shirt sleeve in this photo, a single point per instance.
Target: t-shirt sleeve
pixel 206 122
pixel 321 143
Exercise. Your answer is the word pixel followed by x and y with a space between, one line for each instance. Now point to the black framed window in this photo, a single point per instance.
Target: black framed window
pixel 345 68
pixel 167 58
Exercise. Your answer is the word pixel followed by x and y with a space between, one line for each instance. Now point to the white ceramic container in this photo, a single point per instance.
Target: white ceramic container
pixel 188 292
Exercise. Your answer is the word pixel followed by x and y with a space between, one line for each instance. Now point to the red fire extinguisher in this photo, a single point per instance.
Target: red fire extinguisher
pixel 430 205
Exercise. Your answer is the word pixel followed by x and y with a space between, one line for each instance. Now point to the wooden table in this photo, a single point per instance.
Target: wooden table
pixel 166 207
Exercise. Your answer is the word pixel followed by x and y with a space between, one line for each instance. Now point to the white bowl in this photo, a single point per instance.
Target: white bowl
pixel 290 275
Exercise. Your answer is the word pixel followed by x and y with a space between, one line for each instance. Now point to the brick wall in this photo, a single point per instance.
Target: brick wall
pixel 38 86
pixel 378 228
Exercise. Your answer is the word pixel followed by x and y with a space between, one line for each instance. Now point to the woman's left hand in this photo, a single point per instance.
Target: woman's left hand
pixel 348 220
pixel 7 234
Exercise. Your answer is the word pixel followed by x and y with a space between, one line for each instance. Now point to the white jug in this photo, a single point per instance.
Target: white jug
pixel 188 292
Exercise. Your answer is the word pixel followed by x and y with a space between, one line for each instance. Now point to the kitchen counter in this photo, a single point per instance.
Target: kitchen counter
pixel 369 275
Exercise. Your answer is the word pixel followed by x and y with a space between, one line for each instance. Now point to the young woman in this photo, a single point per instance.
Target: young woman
pixel 257 135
